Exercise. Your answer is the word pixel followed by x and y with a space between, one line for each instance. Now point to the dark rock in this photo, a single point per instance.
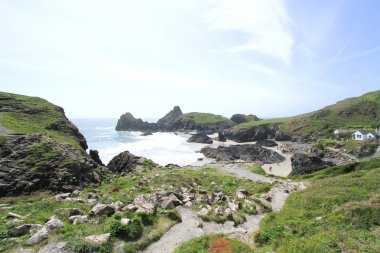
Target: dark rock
pixel 125 162
pixel 280 136
pixel 245 152
pixel 95 156
pixel 127 122
pixel 38 162
pixel 200 138
pixel 242 118
pixel 221 137
pixel 147 133
pixel 255 133
pixel 307 163
pixel 266 143
pixel 165 121
pixel 101 209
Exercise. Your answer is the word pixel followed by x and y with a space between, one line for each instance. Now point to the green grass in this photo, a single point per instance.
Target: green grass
pixel 353 113
pixel 258 170
pixel 213 243
pixel 265 121
pixel 338 212
pixel 41 114
pixel 203 118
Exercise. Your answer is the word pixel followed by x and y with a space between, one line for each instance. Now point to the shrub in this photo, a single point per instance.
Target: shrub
pixel 147 219
pixel 82 246
pixel 131 231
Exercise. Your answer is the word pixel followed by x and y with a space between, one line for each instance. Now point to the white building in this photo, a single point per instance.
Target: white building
pixel 362 135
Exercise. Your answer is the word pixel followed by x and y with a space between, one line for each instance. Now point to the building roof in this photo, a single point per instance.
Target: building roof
pixel 365 132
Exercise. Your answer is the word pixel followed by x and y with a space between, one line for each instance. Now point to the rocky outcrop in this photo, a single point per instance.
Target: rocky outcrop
pixel 164 122
pixel 125 162
pixel 175 120
pixel 37 162
pixel 127 122
pixel 254 133
pixel 307 163
pixel 245 152
pixel 221 137
pixel 242 118
pixel 94 154
pixel 200 138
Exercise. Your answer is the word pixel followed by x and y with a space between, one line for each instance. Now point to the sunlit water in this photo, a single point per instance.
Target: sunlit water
pixel 162 148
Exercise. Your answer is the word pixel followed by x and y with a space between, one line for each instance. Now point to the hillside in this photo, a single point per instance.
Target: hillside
pixel 338 212
pixel 40 149
pixel 353 113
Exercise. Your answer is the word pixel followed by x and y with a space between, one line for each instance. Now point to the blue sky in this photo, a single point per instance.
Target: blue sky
pixel 266 57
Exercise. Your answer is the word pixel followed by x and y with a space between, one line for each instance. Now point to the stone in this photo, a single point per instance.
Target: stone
pixel 147 208
pixel 228 212
pixel 143 181
pixel 98 239
pixel 200 138
pixel 266 143
pixel 221 137
pixel 14 216
pixel 39 236
pixel 54 247
pixel 53 223
pixel 219 210
pixel 77 219
pixel 170 202
pixel 125 221
pixel 101 209
pixel 92 202
pixel 24 229
pixel 241 193
pixel 233 206
pixel 62 196
pixel 202 198
pixel 118 205
pixel 76 194
pixel 93 196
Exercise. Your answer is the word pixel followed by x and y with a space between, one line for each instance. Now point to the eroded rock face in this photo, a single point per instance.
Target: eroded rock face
pixel 165 121
pixel 267 143
pixel 255 133
pixel 33 162
pixel 307 163
pixel 125 162
pixel 245 152
pixel 200 138
pixel 94 154
pixel 127 122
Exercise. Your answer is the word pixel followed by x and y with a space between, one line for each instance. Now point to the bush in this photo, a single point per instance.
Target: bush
pixel 147 219
pixel 81 246
pixel 131 231
pixel 130 247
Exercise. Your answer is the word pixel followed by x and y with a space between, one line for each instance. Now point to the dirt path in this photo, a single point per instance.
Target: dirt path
pixel 192 226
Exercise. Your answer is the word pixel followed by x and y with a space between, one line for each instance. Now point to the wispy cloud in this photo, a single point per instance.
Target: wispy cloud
pixel 360 54
pixel 265 22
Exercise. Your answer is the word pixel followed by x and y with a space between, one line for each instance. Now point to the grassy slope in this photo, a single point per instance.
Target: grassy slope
pixel 327 119
pixel 203 118
pixel 25 123
pixel 338 212
pixel 40 206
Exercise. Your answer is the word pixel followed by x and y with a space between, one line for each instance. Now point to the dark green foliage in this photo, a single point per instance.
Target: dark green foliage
pixel 147 219
pixel 131 231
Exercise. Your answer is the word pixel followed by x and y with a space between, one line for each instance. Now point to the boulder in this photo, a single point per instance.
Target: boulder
pixel 39 236
pixel 98 239
pixel 200 138
pixel 101 209
pixel 77 219
pixel 125 162
pixel 242 194
pixel 307 163
pixel 125 221
pixel 170 202
pixel 11 215
pixel 53 223
pixel 24 229
pixel 245 152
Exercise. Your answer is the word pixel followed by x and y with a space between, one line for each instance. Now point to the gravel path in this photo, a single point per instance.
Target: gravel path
pixel 190 226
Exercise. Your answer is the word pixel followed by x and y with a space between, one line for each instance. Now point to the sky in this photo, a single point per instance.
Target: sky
pixel 272 58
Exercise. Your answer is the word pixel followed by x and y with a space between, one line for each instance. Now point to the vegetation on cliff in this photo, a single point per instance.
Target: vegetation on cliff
pixel 353 113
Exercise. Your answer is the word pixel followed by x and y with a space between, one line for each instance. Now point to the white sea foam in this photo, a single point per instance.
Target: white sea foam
pixel 162 148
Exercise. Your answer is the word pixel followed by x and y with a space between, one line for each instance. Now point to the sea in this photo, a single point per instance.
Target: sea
pixel 161 147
